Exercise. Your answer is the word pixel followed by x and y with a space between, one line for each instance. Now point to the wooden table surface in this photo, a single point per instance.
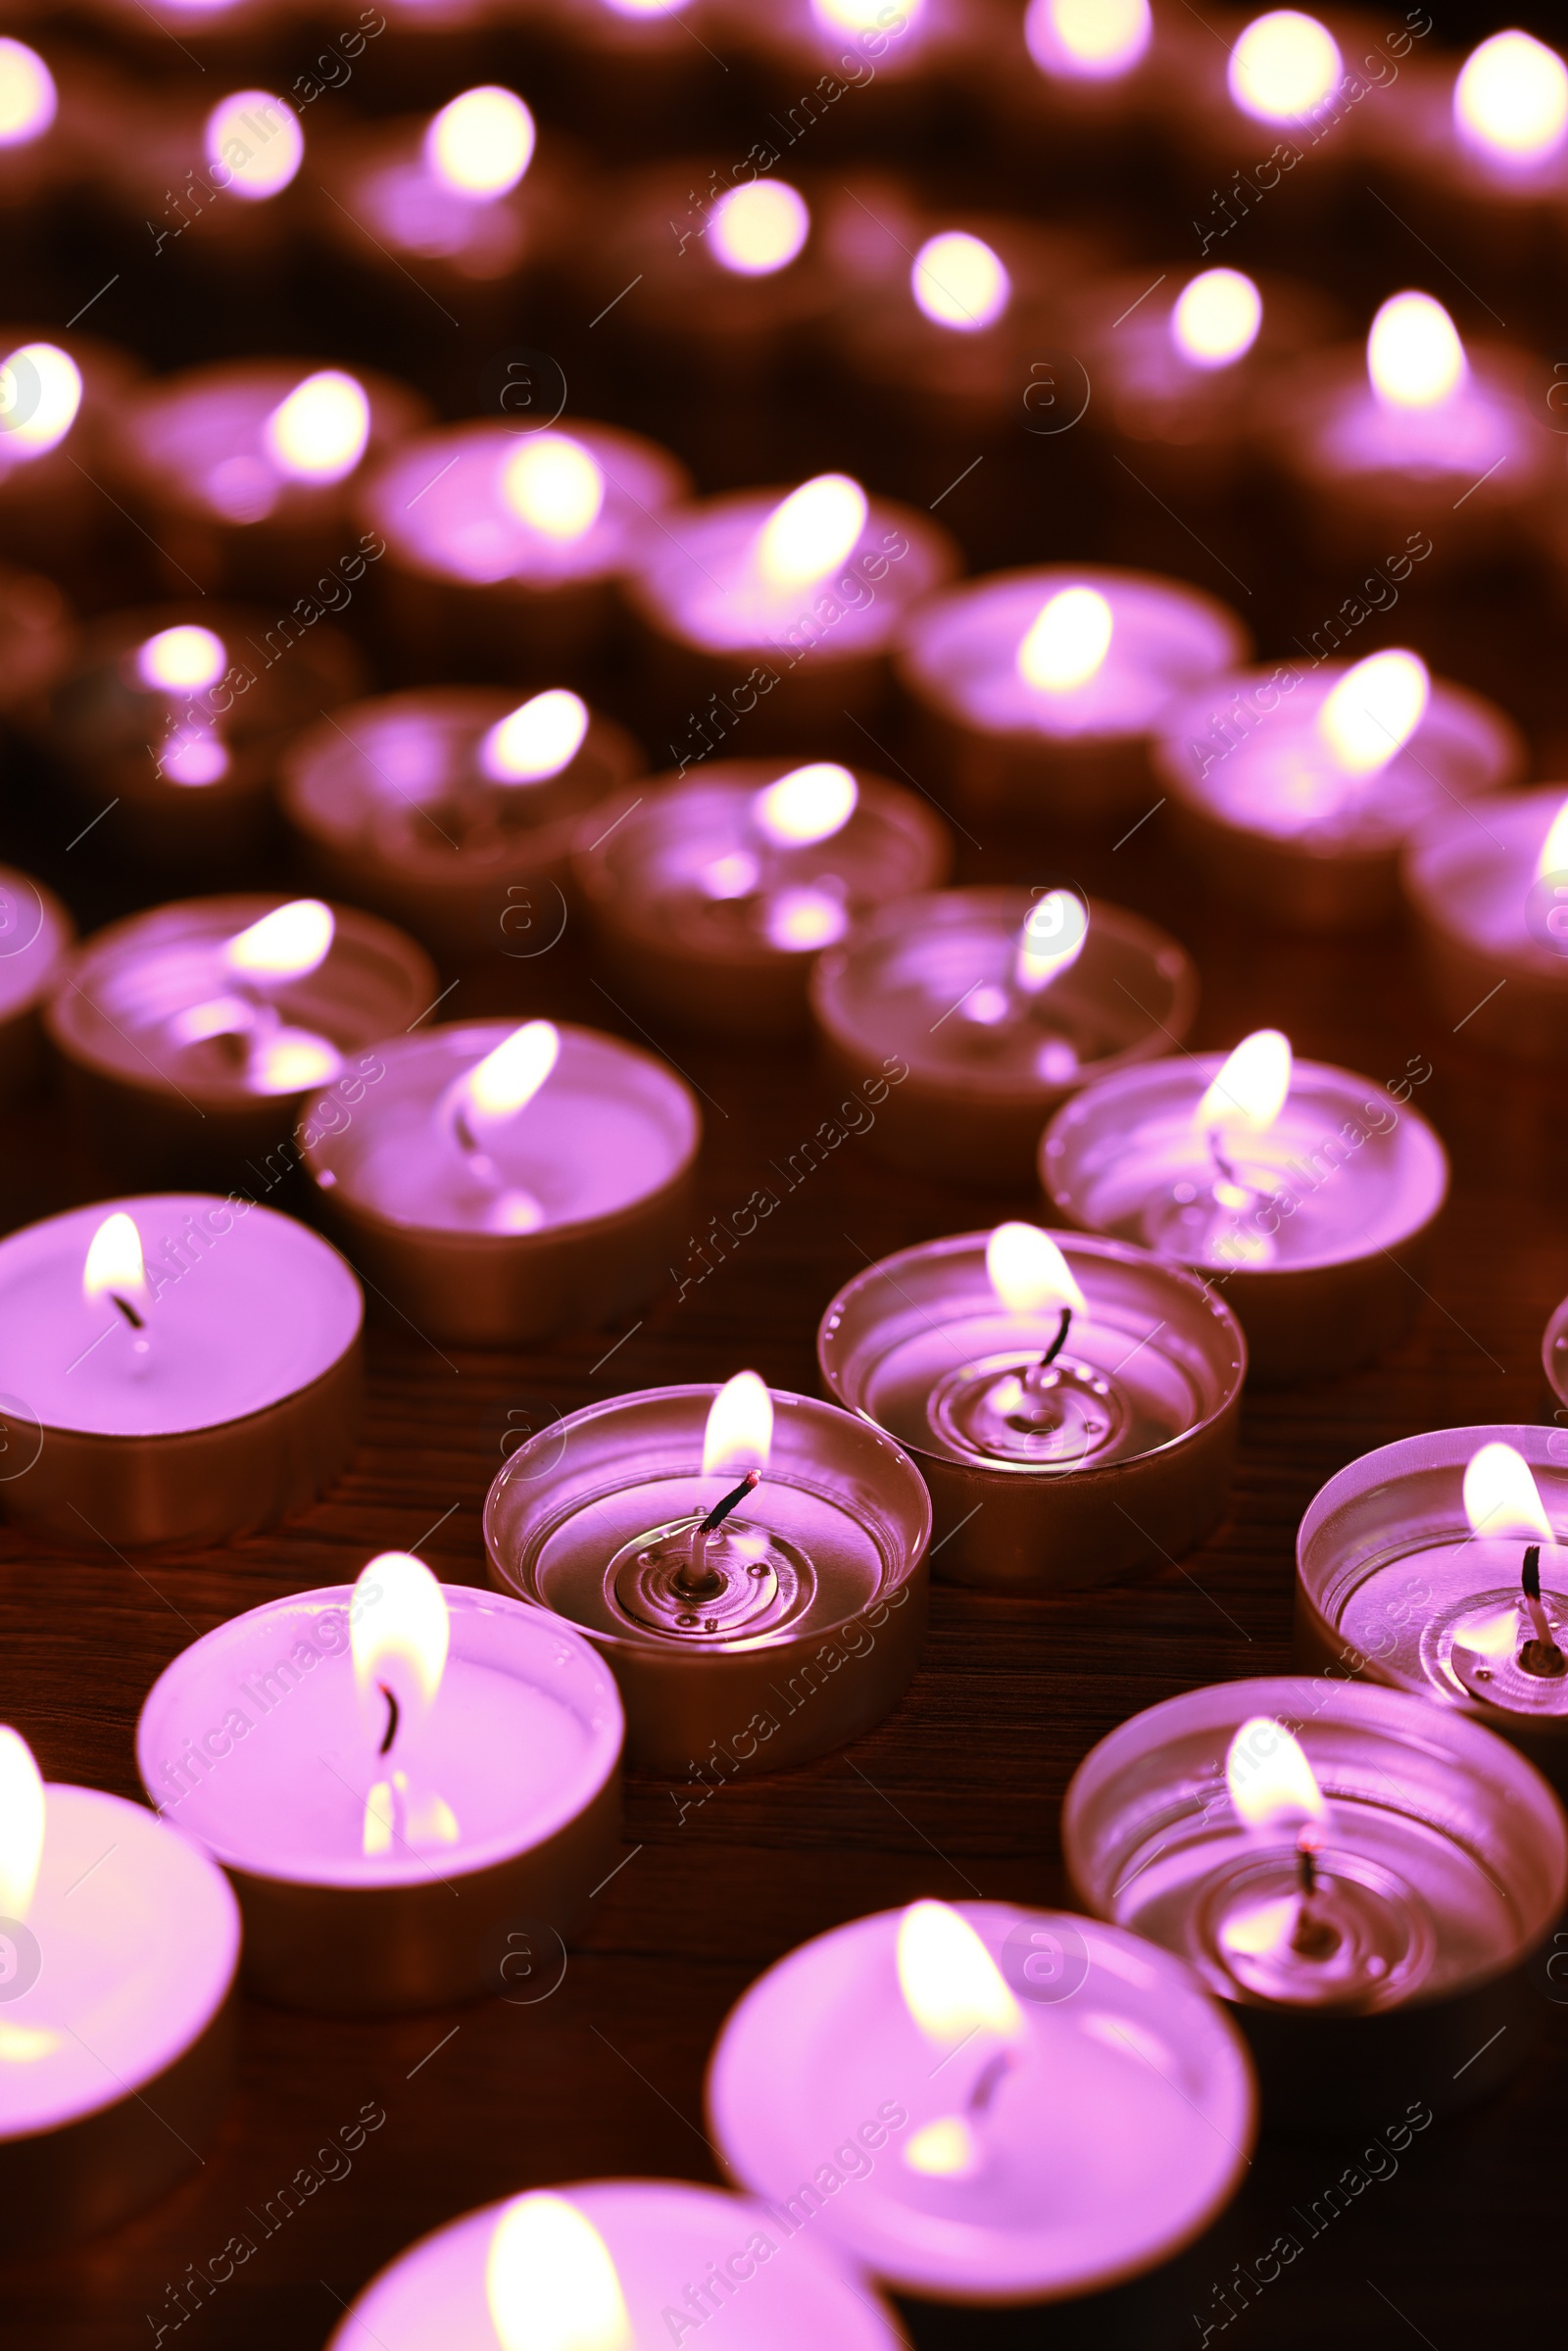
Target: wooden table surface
pixel 957 1793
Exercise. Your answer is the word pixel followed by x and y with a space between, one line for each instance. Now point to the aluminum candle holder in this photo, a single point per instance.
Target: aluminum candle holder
pixel 929 982
pixel 811 1633
pixel 713 912
pixel 649 2240
pixel 1391 1583
pixel 1038 691
pixel 558 1218
pixel 180 713
pixel 202 1384
pixel 253 1743
pixel 34 933
pixel 452 810
pixel 1316 1235
pixel 1487 893
pixel 117 2036
pixel 1438 1868
pixel 1101 2119
pixel 1281 818
pixel 1119 1458
pixel 505 546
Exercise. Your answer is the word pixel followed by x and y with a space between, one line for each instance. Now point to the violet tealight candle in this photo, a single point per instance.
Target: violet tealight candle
pixel 992 1006
pixel 1037 691
pixel 610 2265
pixel 1306 1192
pixel 1486 889
pixel 1047 2105
pixel 1294 794
pixel 502 1184
pixel 751 1564
pixel 1364 1877
pixel 357 1757
pixel 34 933
pixel 118 1942
pixel 712 892
pixel 1072 1409
pixel 173 1368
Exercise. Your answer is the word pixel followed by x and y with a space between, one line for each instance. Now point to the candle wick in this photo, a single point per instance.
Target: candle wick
pixel 1226 1171
pixel 1312 1936
pixel 392 1719
pixel 720 1511
pixel 988 2080
pixel 1058 1342
pixel 136 1321
pixel 1541 1654
pixel 697 1578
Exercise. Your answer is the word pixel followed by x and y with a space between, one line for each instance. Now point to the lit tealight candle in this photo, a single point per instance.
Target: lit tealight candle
pixel 1088 40
pixel 480 144
pixel 862 38
pixel 1295 790
pixel 708 1542
pixel 356 1756
pixel 714 892
pixel 1323 1851
pixel 1510 105
pixel 1049 2106
pixel 28 98
pixel 258 167
pixel 1058 1402
pixel 59 400
pixel 118 1942
pixel 179 1369
pixel 1488 889
pixel 1306 1189
pixel 1282 65
pixel 502 1183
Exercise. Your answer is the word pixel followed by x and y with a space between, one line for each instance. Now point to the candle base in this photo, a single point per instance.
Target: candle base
pixel 1484 943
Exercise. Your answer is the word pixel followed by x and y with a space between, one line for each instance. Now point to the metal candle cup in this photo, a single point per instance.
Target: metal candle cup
pixel 660 2234
pixel 928 982
pixel 708 919
pixel 605 1155
pixel 1274 823
pixel 224 1393
pixel 1079 753
pixel 1118 2126
pixel 167 1055
pixel 522 1746
pixel 1441 1866
pixel 1491 932
pixel 34 933
pixel 472 588
pixel 1128 1462
pixel 117 2037
pixel 1319 1268
pixel 814 1635
pixel 1392 1584
pixel 394 806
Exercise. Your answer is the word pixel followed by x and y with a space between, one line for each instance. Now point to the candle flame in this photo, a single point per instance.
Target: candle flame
pixel 810 804
pixel 284 944
pixel 28 98
pixel 1252 1085
pixel 1371 715
pixel 1029 1273
pixel 182 659
pixel 551 2282
pixel 1554 858
pixel 803 920
pixel 1269 1778
pixel 192 756
pixel 1215 318
pixel 811 531
pixel 21 1824
pixel 863 16
pixel 1512 99
pixel 1054 934
pixel 1092 39
pixel 481 143
pixel 553 485
pixel 1501 1497
pixel 1415 358
pixel 399 1634
pixel 115 1265
pixel 1283 66
pixel 738 1434
pixel 1068 642
pixel 40 392
pixel 958 282
pixel 536 740
pixel 945 2149
pixel 506 1080
pixel 258 140
pixel 758 228
pixel 319 431
pixel 952 1986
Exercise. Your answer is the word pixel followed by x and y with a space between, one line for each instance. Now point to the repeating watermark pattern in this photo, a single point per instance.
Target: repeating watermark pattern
pixel 20 1959
pixel 346 45
pixel 20 914
pixel 1056 394
pixel 524 1961
pixel 534 919
pixel 525 387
